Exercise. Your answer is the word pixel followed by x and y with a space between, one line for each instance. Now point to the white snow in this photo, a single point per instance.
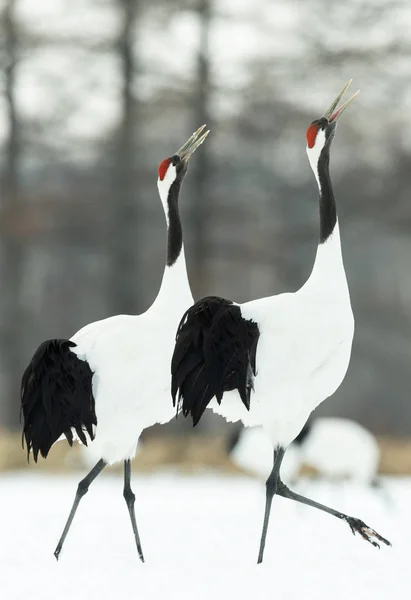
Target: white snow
pixel 200 536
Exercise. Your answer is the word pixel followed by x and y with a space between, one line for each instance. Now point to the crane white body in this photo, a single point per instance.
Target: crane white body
pixel 303 351
pixel 336 448
pixel 130 357
pixel 342 448
pixel 304 346
pixel 112 379
pixel 272 361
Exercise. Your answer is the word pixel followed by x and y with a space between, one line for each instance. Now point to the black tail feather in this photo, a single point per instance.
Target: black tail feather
pixel 215 352
pixel 56 398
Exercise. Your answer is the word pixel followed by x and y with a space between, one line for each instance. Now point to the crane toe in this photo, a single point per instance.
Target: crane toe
pixel 367 533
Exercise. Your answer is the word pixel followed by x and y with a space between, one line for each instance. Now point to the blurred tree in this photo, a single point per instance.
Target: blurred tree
pixel 124 277
pixel 200 182
pixel 107 88
pixel 11 326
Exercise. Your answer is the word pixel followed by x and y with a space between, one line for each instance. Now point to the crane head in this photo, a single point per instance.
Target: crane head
pixel 170 168
pixel 322 130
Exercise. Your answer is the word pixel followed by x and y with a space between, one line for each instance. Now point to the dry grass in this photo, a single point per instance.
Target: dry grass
pixel 189 453
pixel 395 456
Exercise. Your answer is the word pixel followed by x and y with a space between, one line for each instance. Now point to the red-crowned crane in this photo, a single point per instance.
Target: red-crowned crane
pixel 111 379
pixel 336 448
pixel 272 361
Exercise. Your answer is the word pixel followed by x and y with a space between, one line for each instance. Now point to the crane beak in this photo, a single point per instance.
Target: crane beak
pixel 187 150
pixel 332 115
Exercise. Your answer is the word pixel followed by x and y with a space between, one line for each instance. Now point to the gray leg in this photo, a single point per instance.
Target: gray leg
pixel 271 489
pixel 81 490
pixel 356 525
pixel 130 499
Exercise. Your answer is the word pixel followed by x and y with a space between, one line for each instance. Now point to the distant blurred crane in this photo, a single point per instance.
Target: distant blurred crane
pixel 111 379
pixel 292 349
pixel 335 448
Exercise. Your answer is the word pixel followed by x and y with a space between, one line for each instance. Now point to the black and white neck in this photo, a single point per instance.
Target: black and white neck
pixel 328 271
pixel 175 287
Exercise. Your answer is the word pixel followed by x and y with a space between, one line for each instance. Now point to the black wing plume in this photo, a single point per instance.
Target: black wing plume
pixel 56 397
pixel 215 352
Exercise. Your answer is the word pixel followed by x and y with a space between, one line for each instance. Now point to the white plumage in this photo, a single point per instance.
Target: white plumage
pixel 342 448
pixel 253 453
pixel 130 357
pixel 303 351
pixel 305 339
pixel 111 380
pixel 336 448
pixel 272 361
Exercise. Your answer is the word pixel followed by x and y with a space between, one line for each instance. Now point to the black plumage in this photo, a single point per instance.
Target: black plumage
pixel 304 433
pixel 215 352
pixel 56 397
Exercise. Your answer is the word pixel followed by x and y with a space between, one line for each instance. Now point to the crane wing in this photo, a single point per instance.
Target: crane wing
pixel 56 397
pixel 214 353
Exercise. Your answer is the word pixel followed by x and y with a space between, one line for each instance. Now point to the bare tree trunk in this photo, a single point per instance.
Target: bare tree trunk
pixel 201 209
pixel 11 327
pixel 11 175
pixel 124 278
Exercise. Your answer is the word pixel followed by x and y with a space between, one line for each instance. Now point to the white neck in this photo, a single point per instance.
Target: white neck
pixel 174 293
pixel 328 274
pixel 164 186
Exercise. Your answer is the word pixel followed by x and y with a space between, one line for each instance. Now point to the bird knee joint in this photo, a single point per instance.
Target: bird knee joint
pixel 271 486
pixel 129 495
pixel 82 488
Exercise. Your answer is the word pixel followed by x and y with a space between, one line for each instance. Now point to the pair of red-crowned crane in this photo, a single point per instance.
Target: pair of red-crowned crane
pixel 267 362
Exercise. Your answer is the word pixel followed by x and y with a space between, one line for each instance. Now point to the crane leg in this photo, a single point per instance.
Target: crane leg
pixel 130 499
pixel 82 489
pixel 356 525
pixel 271 489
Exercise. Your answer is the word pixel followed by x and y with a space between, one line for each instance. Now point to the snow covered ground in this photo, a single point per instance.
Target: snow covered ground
pixel 200 537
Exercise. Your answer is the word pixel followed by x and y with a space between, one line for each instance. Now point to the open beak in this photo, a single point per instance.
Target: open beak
pixel 332 114
pixel 187 150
